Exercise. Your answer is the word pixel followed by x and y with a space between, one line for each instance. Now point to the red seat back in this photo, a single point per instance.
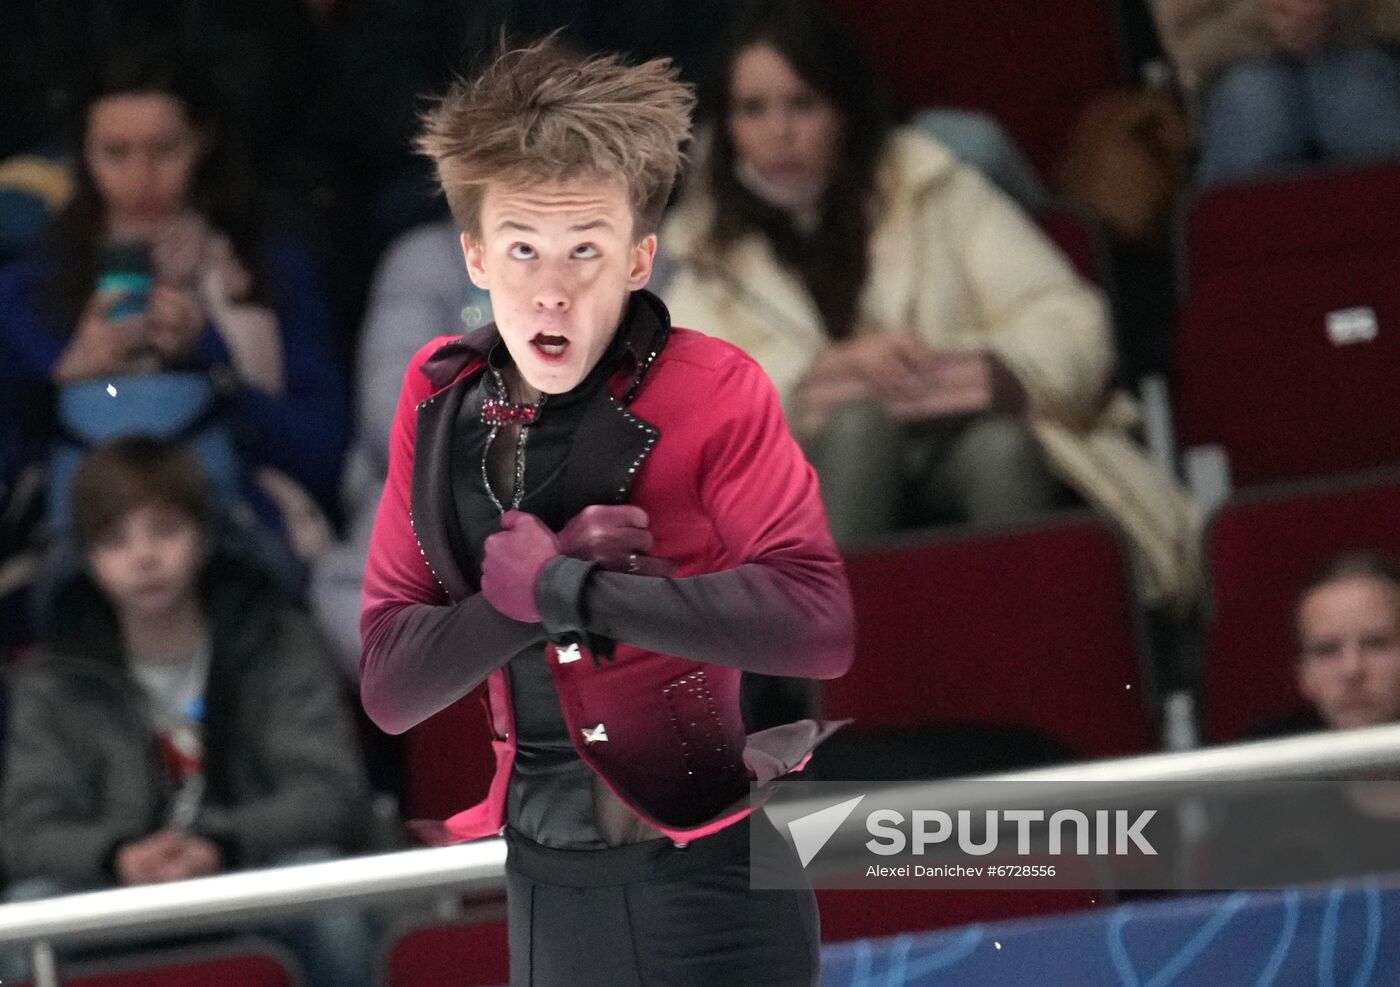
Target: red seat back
pixel 1260 550
pixel 454 954
pixel 1033 626
pixel 1258 370
pixel 1030 65
pixel 251 965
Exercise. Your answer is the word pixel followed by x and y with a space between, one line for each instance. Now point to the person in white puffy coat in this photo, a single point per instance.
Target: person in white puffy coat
pixel 965 374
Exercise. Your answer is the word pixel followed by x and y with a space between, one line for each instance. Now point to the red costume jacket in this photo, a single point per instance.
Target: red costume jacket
pixel 692 432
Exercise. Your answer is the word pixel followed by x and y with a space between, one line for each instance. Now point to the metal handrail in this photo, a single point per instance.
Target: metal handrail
pixel 1320 755
pixel 227 899
pixel 479 867
pixel 223 899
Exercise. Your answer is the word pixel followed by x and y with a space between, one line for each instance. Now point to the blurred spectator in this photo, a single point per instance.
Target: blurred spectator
pixel 1348 672
pixel 421 290
pixel 1348 622
pixel 937 356
pixel 1347 669
pixel 223 340
pixel 1281 80
pixel 181 720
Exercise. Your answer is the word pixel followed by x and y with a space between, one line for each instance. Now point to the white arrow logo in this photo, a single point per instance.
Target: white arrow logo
pixel 811 832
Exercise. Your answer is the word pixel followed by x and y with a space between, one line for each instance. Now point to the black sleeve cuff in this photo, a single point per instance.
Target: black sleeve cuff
pixel 559 598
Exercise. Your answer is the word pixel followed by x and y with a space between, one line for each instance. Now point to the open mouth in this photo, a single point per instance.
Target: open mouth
pixel 550 345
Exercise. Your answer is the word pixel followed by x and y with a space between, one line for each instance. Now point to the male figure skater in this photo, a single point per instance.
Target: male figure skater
pixel 606 520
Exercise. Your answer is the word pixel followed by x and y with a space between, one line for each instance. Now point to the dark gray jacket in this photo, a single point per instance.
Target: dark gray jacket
pixel 83 772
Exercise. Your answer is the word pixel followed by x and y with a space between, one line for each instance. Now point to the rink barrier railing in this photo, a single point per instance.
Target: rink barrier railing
pixel 477 868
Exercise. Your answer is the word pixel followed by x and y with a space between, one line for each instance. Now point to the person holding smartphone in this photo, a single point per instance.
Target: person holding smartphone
pixel 224 301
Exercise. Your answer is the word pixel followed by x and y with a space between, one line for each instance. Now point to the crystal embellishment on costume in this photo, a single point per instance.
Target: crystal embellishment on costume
pixel 595 735
pixel 523 414
pixel 497 411
pixel 568 653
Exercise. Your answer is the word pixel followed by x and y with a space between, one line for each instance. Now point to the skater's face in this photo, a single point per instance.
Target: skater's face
pixel 559 260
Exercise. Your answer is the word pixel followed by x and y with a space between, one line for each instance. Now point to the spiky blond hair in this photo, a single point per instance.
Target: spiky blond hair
pixel 541 113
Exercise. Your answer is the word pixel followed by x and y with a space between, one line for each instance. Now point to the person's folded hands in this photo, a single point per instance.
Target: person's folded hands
pixel 514 558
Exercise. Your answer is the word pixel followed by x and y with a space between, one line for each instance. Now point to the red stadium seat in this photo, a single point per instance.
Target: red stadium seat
pixel 1290 336
pixel 1033 626
pixel 245 962
pixel 1260 549
pixel 451 954
pixel 1032 66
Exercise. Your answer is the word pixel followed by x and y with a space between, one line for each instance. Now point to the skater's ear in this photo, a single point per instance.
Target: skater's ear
pixel 473 252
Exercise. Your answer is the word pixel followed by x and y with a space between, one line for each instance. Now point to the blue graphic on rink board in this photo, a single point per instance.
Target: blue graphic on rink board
pixel 1331 937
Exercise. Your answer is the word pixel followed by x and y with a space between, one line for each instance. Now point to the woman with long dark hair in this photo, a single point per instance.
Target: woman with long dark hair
pixel 159 271
pixel 937 355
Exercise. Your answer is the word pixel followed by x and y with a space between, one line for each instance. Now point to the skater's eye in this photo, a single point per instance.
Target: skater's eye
pixel 521 251
pixel 585 251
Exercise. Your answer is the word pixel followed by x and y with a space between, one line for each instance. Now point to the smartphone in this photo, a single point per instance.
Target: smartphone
pixel 125 265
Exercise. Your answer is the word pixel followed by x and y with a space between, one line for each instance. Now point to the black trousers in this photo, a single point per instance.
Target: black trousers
pixel 655 915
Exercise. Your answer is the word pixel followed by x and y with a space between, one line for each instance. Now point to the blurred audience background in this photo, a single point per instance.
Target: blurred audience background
pixel 976 249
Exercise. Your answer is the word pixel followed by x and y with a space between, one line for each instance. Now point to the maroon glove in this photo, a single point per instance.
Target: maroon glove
pixel 615 537
pixel 606 534
pixel 514 558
